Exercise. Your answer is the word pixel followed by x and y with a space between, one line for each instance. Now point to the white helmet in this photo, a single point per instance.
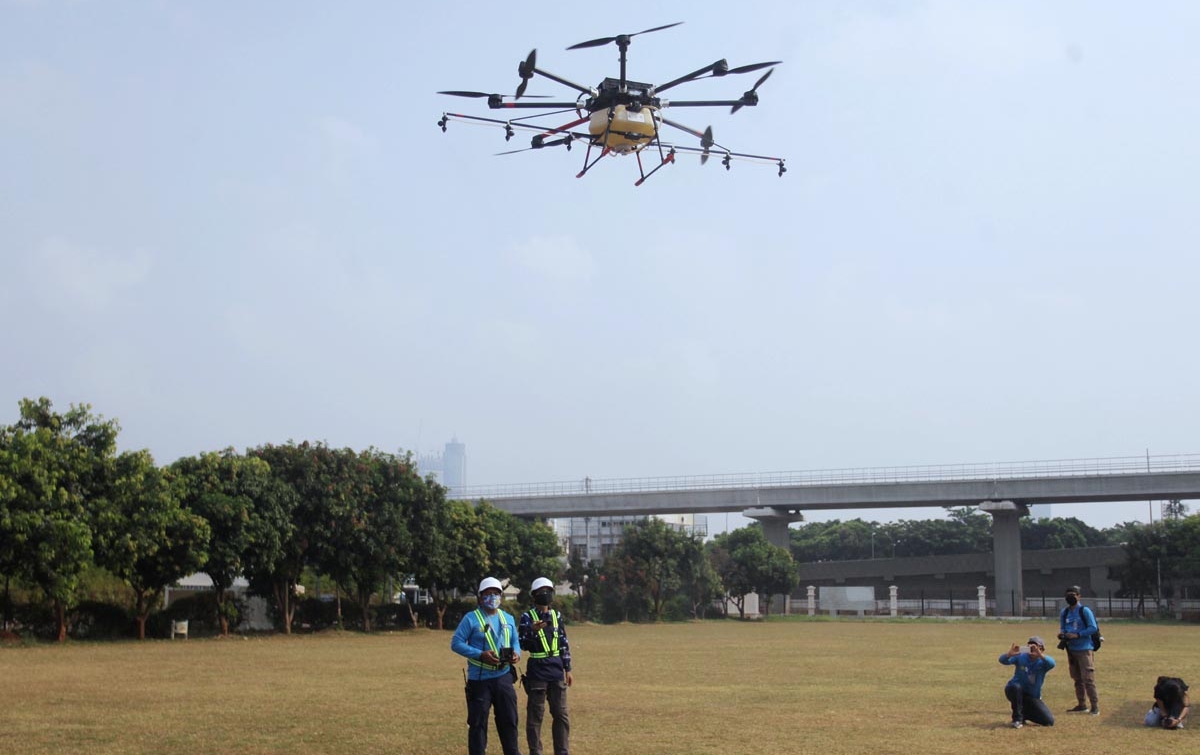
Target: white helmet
pixel 539 583
pixel 489 583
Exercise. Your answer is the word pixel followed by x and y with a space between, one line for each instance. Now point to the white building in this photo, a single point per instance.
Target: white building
pixel 593 538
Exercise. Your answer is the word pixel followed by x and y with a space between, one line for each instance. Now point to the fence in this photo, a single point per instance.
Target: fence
pixel 1105 607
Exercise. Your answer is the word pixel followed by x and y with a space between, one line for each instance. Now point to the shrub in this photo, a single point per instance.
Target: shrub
pixel 317 614
pixel 36 618
pixel 199 609
pixel 392 616
pixel 95 620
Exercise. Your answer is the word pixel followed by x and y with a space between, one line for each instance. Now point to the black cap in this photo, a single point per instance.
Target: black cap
pixel 1075 589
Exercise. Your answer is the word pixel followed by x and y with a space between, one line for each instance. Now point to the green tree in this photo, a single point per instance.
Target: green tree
pixel 372 535
pixel 582 576
pixel 656 552
pixel 1176 509
pixel 55 475
pixel 734 583
pixel 776 575
pixel 222 488
pixel 276 561
pixel 754 565
pixel 450 548
pixel 541 555
pixel 701 583
pixel 1053 534
pixel 520 549
pixel 1161 557
pixel 284 526
pixel 145 537
pixel 622 592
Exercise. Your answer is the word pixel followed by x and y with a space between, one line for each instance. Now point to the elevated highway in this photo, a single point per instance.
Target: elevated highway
pixel 1004 490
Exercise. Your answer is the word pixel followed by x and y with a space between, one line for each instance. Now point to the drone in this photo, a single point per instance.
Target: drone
pixel 623 117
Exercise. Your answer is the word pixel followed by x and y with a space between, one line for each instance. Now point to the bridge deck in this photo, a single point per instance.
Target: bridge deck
pixel 1061 481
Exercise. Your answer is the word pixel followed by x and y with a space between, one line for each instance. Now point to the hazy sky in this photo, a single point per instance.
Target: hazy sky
pixel 228 224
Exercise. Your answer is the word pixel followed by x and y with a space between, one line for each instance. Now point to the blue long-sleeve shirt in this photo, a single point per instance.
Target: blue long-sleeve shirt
pixel 1079 619
pixel 470 640
pixel 1029 673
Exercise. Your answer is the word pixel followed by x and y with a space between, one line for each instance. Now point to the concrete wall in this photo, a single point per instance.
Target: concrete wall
pixel 1046 572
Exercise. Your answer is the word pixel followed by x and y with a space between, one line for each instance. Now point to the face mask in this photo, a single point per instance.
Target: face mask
pixel 491 602
pixel 1072 600
pixel 542 597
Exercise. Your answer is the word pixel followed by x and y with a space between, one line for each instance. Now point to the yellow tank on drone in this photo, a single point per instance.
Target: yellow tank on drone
pixel 628 130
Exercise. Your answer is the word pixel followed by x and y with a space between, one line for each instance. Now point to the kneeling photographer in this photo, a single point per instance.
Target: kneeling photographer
pixel 1024 690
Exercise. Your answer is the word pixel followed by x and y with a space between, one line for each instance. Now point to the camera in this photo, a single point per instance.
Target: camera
pixel 506 655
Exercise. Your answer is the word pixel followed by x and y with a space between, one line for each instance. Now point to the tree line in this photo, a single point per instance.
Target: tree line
pixel 657 572
pixel 69 502
pixel 1162 559
pixel 967 530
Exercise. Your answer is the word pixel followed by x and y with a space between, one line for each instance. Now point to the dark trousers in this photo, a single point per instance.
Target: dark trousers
pixel 537 693
pixel 1026 707
pixel 483 696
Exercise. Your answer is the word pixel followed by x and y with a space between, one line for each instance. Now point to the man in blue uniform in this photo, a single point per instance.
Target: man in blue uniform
pixel 487 638
pixel 1077 624
pixel 1024 690
pixel 548 673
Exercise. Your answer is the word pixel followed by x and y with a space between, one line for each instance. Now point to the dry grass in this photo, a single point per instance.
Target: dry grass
pixel 831 687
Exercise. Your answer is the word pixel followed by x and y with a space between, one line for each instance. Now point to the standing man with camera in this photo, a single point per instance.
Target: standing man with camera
pixel 548 672
pixel 1077 626
pixel 487 638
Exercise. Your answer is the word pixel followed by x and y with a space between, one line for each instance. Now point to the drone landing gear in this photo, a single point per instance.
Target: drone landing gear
pixel 665 159
pixel 588 165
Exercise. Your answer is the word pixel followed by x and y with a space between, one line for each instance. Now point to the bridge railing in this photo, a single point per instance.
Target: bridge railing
pixel 847 476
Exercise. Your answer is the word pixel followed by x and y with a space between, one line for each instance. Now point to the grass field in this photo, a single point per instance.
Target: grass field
pixel 782 686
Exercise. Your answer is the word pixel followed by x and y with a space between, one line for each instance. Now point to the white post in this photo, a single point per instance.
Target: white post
pixel 812 600
pixel 982 600
pixel 892 592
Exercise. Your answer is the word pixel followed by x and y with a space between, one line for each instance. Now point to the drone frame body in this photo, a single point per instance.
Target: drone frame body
pixel 622 117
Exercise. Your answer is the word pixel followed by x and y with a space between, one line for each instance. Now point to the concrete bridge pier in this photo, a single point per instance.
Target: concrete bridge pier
pixel 1006 550
pixel 775 521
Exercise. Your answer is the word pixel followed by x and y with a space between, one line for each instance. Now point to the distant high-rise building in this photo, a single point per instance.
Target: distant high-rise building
pixel 449 468
pixel 454 466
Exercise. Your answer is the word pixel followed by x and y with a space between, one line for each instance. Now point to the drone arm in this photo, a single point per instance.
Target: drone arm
pixel 565 82
pixel 534 105
pixel 683 128
pixel 705 103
